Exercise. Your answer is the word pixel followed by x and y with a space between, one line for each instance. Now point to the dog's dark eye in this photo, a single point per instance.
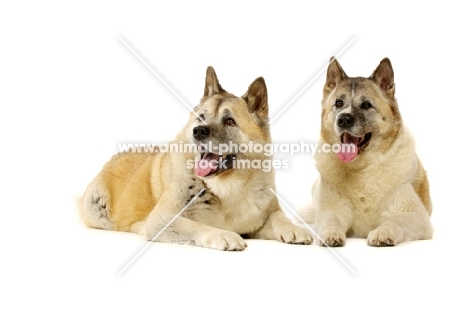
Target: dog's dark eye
pixel 339 103
pixel 201 117
pixel 230 122
pixel 366 105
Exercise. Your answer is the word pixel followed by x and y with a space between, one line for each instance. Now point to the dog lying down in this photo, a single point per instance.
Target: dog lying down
pixel 375 187
pixel 144 192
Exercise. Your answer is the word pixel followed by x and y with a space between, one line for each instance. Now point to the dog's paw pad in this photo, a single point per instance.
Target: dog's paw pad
pixel 383 236
pixel 332 237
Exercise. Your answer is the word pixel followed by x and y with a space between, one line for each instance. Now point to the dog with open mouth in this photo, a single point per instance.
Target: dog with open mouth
pixel 217 200
pixel 374 187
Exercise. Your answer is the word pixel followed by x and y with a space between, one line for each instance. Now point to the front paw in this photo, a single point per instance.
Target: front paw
pixel 332 236
pixel 384 236
pixel 223 241
pixel 292 234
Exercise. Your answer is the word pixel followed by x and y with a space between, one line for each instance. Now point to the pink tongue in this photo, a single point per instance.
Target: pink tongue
pixel 202 168
pixel 349 148
pixel 347 153
pixel 206 165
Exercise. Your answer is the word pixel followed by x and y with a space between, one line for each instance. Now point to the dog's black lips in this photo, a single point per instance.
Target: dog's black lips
pixel 362 141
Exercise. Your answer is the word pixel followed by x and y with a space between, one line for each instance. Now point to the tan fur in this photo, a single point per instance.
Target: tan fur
pixel 383 193
pixel 143 192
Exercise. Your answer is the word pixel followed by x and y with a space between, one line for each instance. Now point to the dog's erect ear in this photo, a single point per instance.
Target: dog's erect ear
pixel 334 75
pixel 383 76
pixel 256 98
pixel 212 86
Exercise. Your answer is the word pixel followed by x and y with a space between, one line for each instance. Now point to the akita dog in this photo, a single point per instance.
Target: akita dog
pixel 375 186
pixel 144 192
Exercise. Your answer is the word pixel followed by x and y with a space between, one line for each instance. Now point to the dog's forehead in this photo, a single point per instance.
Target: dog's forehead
pixel 220 105
pixel 356 88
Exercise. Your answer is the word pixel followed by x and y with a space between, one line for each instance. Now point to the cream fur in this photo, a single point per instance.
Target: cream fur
pixel 142 193
pixel 383 193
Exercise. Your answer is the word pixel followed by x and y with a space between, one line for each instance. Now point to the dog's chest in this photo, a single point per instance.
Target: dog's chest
pixel 239 213
pixel 364 191
pixel 366 206
pixel 363 200
pixel 244 213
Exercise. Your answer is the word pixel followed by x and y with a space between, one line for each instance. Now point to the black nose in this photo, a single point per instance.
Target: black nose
pixel 346 120
pixel 201 132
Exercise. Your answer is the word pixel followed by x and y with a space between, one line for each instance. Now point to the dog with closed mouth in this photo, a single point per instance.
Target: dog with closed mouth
pixel 144 192
pixel 375 187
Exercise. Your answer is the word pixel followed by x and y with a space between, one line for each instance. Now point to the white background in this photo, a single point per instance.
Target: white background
pixel 70 91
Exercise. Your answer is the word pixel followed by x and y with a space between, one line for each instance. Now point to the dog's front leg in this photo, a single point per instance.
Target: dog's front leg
pixel 279 227
pixel 407 220
pixel 165 225
pixel 333 217
pixel 330 229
